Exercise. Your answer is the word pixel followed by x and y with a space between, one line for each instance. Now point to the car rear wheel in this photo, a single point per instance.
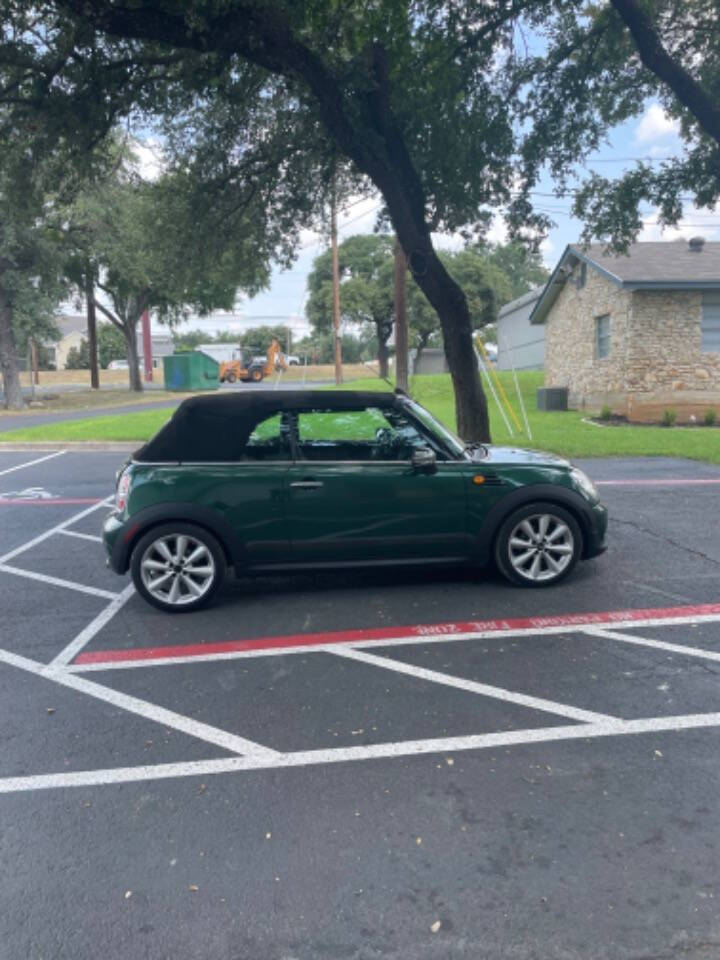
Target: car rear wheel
pixel 538 545
pixel 178 567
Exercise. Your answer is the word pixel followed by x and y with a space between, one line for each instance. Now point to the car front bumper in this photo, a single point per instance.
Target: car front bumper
pixel 595 530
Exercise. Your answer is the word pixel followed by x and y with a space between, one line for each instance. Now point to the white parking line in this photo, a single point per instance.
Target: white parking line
pixel 380 751
pixel 472 686
pixel 95 625
pixel 31 463
pixel 58 582
pixel 655 644
pixel 142 708
pixel 53 530
pixel 82 536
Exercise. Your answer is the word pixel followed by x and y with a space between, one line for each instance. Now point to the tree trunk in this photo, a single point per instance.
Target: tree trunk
pixel 401 320
pixel 337 343
pixel 134 376
pixel 421 344
pixel 382 356
pixel 448 300
pixel 8 357
pixel 92 331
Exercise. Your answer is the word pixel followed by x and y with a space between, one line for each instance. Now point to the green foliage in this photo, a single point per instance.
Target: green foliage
pixel 605 413
pixel 111 344
pixel 521 265
pixel 366 284
pixel 563 433
pixel 78 358
pixel 258 339
pixel 189 339
pixel 710 417
pixel 668 418
pixel 319 348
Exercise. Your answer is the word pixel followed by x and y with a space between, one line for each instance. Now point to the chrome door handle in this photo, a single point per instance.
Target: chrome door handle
pixel 307 484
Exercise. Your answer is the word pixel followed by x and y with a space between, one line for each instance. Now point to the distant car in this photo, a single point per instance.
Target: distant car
pixel 291 360
pixel 118 365
pixel 291 479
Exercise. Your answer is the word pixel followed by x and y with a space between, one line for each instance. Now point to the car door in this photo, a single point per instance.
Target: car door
pixel 254 493
pixel 354 496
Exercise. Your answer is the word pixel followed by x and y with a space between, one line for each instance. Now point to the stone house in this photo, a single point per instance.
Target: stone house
pixel 639 332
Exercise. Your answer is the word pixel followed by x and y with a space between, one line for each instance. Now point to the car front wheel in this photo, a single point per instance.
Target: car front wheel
pixel 538 545
pixel 178 567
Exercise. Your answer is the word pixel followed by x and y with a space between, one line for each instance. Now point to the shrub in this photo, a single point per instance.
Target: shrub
pixel 605 413
pixel 710 417
pixel 668 418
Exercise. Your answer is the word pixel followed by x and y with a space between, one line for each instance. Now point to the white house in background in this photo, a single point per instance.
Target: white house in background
pixel 73 330
pixel 162 346
pixel 520 343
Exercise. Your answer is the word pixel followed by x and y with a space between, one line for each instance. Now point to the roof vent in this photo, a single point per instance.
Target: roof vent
pixel 696 244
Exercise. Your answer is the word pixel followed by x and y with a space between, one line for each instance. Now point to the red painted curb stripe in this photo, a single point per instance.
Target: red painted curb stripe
pixel 388 633
pixel 59 502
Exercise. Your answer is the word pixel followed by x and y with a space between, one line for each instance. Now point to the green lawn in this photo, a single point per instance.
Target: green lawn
pixel 563 433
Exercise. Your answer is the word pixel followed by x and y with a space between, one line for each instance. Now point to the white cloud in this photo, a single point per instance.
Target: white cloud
pixel 655 124
pixel 696 223
pixel 149 159
pixel 547 248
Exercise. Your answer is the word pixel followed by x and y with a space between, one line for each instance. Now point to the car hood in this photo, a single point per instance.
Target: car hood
pixel 520 456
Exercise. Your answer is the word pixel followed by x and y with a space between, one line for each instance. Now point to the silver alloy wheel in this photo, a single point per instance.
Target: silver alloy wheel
pixel 541 547
pixel 177 569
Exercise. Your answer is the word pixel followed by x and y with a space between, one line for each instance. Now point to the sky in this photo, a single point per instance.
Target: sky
pixel 651 137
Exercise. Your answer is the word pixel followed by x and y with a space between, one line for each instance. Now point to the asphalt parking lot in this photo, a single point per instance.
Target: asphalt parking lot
pixel 415 765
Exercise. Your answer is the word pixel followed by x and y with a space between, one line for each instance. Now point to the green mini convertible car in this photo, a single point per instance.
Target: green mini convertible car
pixel 298 479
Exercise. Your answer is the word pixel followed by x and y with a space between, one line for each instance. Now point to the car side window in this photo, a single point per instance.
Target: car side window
pixel 269 440
pixel 356 435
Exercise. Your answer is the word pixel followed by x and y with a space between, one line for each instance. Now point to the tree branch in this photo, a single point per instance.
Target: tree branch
pixel 657 59
pixel 111 316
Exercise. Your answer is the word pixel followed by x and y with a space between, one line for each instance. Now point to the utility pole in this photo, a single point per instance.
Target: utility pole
pixel 34 358
pixel 92 330
pixel 401 322
pixel 336 289
pixel 147 346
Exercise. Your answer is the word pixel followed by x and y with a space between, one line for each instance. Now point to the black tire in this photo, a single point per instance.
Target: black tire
pixel 534 564
pixel 256 374
pixel 147 554
pixel 231 377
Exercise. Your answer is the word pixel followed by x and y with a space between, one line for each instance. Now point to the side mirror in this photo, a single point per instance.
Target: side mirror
pixel 424 460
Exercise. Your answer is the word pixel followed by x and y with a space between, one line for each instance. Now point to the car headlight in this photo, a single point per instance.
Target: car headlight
pixel 585 483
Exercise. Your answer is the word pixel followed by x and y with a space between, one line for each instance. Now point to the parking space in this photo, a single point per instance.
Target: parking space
pixel 330 765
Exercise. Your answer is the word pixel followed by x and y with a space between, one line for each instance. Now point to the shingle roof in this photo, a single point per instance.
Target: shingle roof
pixel 657 262
pixel 512 305
pixel 646 266
pixel 71 323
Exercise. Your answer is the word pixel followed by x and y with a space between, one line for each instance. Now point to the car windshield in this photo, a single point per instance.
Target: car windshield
pixel 439 429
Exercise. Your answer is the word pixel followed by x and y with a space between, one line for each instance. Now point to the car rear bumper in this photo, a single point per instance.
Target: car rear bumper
pixel 115 540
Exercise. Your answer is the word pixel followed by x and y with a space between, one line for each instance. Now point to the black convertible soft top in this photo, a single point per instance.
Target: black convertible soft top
pixel 216 428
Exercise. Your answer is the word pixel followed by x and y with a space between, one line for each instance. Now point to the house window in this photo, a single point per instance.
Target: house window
pixel 711 321
pixel 582 276
pixel 602 336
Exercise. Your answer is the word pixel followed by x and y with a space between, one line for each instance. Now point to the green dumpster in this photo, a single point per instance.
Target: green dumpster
pixel 191 371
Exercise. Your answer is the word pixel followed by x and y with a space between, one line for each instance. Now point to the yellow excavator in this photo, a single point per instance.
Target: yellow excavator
pixel 251 369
